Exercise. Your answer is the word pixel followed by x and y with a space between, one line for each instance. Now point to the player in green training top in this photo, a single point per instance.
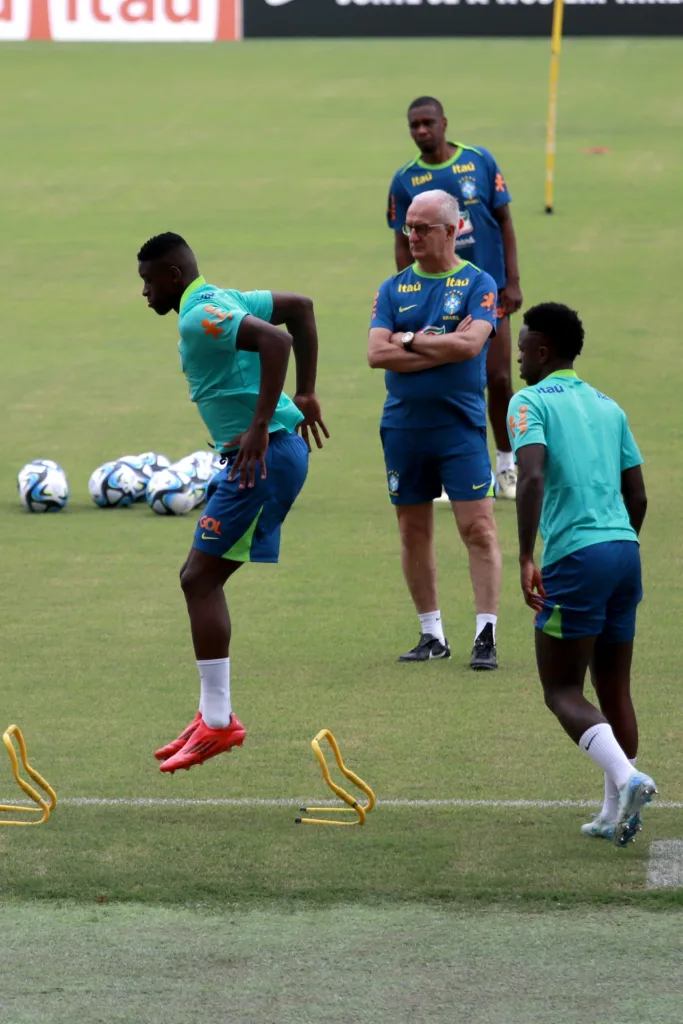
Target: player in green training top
pixel 579 479
pixel 235 361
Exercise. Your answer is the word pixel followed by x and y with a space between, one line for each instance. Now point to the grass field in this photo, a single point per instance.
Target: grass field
pixel 274 161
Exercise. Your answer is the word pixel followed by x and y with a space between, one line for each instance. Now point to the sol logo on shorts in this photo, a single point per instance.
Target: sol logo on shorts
pixel 211 524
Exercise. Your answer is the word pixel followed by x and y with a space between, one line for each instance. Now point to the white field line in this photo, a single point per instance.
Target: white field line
pixel 247 801
pixel 665 869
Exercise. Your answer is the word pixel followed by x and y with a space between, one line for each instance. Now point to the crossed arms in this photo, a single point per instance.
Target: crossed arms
pixel 385 351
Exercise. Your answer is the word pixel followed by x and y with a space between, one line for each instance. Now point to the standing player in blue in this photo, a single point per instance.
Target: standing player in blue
pixel 235 361
pixel 580 481
pixel 430 331
pixel 485 237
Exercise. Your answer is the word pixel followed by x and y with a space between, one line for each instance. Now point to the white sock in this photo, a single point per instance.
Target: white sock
pixel 483 620
pixel 214 702
pixel 504 460
pixel 430 622
pixel 601 746
pixel 610 803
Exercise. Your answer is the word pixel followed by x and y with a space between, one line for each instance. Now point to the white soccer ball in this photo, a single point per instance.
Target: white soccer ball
pixel 43 486
pixel 152 462
pixel 138 467
pixel 199 467
pixel 113 485
pixel 170 492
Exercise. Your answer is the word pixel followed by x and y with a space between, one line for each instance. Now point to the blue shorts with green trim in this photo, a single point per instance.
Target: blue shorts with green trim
pixel 244 524
pixel 420 462
pixel 593 592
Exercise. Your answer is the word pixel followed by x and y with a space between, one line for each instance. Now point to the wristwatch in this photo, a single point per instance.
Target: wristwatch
pixel 407 340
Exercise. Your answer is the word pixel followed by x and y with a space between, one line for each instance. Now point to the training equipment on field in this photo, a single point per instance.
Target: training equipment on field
pixel 43 486
pixel 199 467
pixel 43 807
pixel 360 810
pixel 551 123
pixel 113 485
pixel 170 492
pixel 152 462
pixel 138 467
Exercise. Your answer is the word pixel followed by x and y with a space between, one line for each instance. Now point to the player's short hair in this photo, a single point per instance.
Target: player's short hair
pixel 449 211
pixel 560 325
pixel 161 245
pixel 426 101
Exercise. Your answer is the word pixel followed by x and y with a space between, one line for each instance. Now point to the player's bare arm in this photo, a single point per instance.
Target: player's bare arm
pixel 387 354
pixel 297 314
pixel 458 346
pixel 511 295
pixel 530 466
pixel 273 347
pixel 635 498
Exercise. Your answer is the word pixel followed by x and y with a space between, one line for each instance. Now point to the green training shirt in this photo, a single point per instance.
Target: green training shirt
pixel 588 445
pixel 224 380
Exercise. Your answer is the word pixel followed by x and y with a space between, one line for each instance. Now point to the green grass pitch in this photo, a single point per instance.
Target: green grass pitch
pixel 274 161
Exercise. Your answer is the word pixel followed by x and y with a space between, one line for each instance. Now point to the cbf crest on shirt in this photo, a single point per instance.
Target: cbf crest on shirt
pixel 474 178
pixel 435 304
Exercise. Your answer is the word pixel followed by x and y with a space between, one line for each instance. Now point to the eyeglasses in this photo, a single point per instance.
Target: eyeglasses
pixel 421 229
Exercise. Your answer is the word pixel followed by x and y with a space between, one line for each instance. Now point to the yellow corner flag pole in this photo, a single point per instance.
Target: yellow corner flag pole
pixel 551 128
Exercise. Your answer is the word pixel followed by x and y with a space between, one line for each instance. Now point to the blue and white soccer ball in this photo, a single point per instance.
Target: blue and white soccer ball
pixel 138 466
pixel 199 467
pixel 113 485
pixel 170 492
pixel 152 462
pixel 43 486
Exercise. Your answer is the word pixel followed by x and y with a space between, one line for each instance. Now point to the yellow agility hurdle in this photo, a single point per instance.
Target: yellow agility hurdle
pixel 353 807
pixel 43 807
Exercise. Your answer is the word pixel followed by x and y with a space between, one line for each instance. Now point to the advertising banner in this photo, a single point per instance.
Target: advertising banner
pixel 411 18
pixel 129 21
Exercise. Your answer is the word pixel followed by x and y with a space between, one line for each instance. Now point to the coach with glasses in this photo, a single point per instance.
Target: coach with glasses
pixel 430 332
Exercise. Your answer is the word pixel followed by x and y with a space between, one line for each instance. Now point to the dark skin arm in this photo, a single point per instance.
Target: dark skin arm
pixel 635 498
pixel 402 251
pixel 296 313
pixel 511 295
pixel 530 483
pixel 273 347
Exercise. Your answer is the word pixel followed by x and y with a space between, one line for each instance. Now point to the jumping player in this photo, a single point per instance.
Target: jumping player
pixel 235 360
pixel 579 479
pixel 485 237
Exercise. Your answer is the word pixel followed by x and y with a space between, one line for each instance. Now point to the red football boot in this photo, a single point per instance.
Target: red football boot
pixel 177 744
pixel 205 743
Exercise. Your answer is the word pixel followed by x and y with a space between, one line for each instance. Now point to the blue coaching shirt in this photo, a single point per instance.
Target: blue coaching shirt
pixel 435 304
pixel 474 178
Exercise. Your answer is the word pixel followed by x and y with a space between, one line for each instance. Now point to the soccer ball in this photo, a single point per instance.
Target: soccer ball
pixel 113 485
pixel 199 468
pixel 43 486
pixel 170 492
pixel 152 462
pixel 137 465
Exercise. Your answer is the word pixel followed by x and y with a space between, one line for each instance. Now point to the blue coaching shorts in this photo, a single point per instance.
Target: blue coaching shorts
pixel 421 462
pixel 593 592
pixel 244 525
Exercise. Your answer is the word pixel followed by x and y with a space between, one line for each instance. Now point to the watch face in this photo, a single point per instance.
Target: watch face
pixel 407 338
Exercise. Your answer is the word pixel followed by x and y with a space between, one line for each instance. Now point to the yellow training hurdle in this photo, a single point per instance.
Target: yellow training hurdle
pixel 43 807
pixel 353 807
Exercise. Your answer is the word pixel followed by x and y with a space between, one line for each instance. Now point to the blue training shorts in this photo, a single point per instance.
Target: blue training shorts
pixel 244 524
pixel 421 462
pixel 593 592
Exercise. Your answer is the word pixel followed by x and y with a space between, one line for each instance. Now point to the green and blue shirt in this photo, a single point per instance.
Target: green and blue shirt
pixel 588 446
pixel 224 380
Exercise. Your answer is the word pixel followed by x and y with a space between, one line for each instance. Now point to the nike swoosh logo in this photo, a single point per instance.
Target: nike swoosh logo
pixel 205 536
pixel 401 309
pixel 277 3
pixel 588 745
pixel 478 487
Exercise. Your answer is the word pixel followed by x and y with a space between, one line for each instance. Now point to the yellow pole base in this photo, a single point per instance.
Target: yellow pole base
pixel 353 807
pixel 43 807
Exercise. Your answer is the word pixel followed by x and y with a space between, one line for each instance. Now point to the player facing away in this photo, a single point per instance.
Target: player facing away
pixel 235 360
pixel 429 331
pixel 485 237
pixel 580 481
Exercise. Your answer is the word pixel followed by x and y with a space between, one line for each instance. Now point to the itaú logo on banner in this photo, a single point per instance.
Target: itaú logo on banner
pixel 121 20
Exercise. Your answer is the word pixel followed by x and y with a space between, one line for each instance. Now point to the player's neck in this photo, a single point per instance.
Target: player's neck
pixel 443 153
pixel 447 264
pixel 555 367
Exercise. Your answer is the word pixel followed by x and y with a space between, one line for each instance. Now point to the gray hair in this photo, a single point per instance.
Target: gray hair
pixel 448 209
